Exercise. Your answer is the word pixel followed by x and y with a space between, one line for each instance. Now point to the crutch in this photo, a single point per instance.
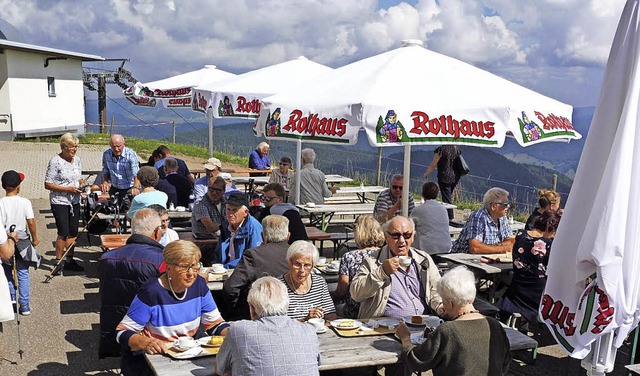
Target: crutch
pixel 58 266
pixel 17 290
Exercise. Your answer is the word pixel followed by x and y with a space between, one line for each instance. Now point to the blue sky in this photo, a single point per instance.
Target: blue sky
pixel 556 47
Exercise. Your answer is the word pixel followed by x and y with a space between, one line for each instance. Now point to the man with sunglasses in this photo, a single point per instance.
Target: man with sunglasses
pixel 209 213
pixel 394 285
pixel 273 198
pixel 122 273
pixel 389 202
pixel 487 230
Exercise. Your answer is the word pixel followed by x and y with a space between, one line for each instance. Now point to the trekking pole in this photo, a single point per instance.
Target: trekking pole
pixel 58 266
pixel 17 290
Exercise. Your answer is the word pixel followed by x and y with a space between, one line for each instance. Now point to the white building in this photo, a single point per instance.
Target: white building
pixel 41 89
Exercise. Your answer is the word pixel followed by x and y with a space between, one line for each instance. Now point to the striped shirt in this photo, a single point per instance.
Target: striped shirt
pixel 386 200
pixel 156 313
pixel 121 171
pixel 318 296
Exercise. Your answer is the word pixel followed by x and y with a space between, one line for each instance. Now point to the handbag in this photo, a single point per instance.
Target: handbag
pixel 460 166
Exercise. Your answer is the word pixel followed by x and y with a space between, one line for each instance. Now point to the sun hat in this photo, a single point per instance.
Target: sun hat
pixel 212 164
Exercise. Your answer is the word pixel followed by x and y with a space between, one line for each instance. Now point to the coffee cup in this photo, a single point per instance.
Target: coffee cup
pixel 405 260
pixel 187 342
pixel 335 264
pixel 317 323
pixel 218 268
pixel 432 321
pixel 322 261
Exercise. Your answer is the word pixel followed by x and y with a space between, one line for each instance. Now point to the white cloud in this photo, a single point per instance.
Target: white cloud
pixel 530 42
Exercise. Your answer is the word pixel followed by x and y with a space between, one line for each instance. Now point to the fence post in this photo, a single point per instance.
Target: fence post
pixel 554 181
pixel 174 131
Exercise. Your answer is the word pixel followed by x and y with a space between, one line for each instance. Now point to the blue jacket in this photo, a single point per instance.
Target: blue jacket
pixel 258 162
pixel 249 236
pixel 122 272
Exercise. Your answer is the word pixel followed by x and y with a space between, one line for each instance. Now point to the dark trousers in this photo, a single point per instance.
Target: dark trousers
pixel 446 190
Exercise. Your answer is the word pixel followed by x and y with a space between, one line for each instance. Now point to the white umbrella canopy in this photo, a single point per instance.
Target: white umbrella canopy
pixel 592 292
pixel 173 91
pixel 411 95
pixel 239 96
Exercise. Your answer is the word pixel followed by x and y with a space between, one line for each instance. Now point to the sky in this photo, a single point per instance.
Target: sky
pixel 556 47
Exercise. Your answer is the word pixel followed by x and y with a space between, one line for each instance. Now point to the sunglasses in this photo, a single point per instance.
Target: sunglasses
pixel 397 235
pixel 267 198
pixel 396 187
pixel 284 164
pixel 218 190
pixel 503 203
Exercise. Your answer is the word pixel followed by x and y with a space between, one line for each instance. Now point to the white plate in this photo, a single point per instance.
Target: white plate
pixel 426 318
pixel 322 265
pixel 330 270
pixel 320 331
pixel 205 342
pixel 389 323
pixel 336 324
pixel 218 273
pixel 191 353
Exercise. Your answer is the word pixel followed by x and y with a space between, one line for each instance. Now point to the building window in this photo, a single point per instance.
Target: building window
pixel 51 85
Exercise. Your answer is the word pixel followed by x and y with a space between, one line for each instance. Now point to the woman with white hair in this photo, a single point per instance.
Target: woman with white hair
pixel 308 293
pixel 468 344
pixel 250 348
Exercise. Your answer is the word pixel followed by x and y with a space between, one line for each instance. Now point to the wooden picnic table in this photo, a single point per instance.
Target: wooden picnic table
pixel 242 171
pixel 112 241
pixel 264 180
pixel 336 353
pixel 488 274
pixel 361 192
pixel 321 215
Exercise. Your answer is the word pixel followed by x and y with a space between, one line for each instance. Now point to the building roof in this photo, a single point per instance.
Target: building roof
pixel 7 44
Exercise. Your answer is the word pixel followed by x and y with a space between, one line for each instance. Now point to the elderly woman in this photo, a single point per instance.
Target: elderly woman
pixel 250 348
pixel 468 344
pixel 308 293
pixel 530 259
pixel 173 305
pixel 369 237
pixel 549 200
pixel 148 177
pixel 64 179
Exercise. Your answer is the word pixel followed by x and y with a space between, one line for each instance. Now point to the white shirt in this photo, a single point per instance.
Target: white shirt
pixel 169 236
pixel 15 210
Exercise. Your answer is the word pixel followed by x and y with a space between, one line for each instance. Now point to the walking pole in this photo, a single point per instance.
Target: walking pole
pixel 58 266
pixel 17 290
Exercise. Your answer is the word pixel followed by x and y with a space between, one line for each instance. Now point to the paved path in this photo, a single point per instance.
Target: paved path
pixel 60 336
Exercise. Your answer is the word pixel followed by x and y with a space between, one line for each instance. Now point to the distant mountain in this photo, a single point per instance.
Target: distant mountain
pixel 517 169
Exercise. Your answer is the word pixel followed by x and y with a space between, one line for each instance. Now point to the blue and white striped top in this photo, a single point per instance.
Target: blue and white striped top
pixel 156 313
pixel 318 296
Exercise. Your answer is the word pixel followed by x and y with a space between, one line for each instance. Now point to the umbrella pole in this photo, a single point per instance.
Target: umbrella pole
pixel 210 116
pixel 602 357
pixel 379 165
pixel 299 168
pixel 406 180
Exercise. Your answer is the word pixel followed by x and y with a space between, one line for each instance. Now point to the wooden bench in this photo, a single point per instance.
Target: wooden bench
pixel 199 242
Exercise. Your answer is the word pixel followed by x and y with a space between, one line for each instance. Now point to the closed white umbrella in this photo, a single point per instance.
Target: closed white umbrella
pixel 591 297
pixel 413 96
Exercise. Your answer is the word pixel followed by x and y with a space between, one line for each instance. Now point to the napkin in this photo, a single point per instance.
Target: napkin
pixel 191 353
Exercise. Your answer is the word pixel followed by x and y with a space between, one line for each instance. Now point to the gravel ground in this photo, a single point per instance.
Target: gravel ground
pixel 60 336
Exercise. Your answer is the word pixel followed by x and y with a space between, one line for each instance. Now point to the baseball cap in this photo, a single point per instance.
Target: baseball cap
pixel 225 176
pixel 11 179
pixel 212 164
pixel 237 199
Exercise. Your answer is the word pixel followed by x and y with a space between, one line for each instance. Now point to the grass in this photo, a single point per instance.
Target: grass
pixel 144 148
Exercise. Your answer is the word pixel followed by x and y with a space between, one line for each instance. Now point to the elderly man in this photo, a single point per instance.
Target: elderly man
pixel 259 159
pixel 273 195
pixel 389 202
pixel 181 183
pixel 269 258
pixel 212 168
pixel 401 281
pixel 251 348
pixel 487 230
pixel 123 271
pixel 313 186
pixel 208 214
pixel 182 166
pixel 120 167
pixel 239 231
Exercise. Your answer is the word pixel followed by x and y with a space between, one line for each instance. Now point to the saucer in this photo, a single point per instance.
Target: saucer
pixel 320 331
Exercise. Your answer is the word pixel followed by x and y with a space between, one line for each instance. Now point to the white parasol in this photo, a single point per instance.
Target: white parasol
pixel 591 297
pixel 413 96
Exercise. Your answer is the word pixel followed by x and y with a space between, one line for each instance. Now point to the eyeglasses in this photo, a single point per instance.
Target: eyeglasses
pixel 284 164
pixel 216 190
pixel 185 268
pixel 396 187
pixel 267 199
pixel 397 235
pixel 297 265
pixel 71 146
pixel 503 203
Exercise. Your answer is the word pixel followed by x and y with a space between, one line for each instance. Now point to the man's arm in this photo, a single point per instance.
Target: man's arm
pixel 478 247
pixel 209 225
pixel 254 161
pixel 369 279
pixel 243 275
